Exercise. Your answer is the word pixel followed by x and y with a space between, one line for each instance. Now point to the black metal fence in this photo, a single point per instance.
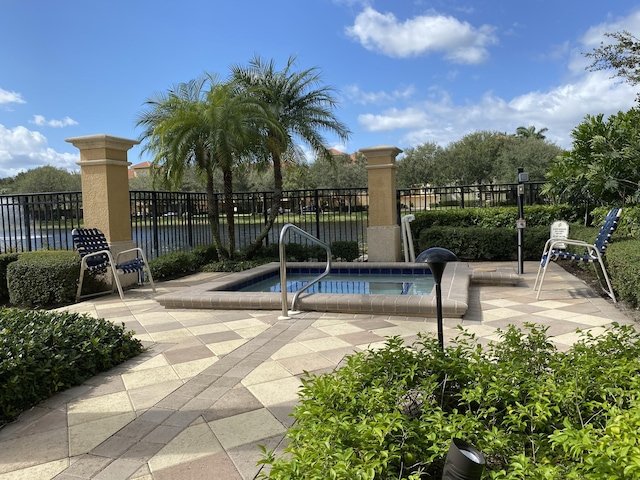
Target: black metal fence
pixel 165 222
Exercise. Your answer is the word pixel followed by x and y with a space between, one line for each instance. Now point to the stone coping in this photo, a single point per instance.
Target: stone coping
pixel 212 294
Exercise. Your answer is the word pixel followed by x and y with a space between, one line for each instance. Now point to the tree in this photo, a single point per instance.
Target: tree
pixel 45 179
pixel 209 125
pixel 301 107
pixel 623 56
pixel 530 132
pixel 341 171
pixel 470 160
pixel 418 165
pixel 531 153
pixel 603 166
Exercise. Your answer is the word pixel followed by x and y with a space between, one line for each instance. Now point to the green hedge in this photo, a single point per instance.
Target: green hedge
pixel 174 265
pixel 536 216
pixel 47 278
pixel 535 412
pixel 623 266
pixel 484 244
pixel 45 352
pixel 5 260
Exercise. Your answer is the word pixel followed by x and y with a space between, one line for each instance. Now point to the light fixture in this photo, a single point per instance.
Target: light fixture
pixel 463 462
pixel 437 259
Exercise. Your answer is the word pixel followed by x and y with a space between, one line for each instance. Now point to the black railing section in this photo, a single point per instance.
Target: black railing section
pixel 166 222
pixel 39 221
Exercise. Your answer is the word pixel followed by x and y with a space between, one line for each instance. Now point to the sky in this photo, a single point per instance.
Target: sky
pixel 405 72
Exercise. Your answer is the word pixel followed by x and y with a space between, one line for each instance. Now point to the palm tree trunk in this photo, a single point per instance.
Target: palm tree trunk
pixel 275 207
pixel 229 210
pixel 213 214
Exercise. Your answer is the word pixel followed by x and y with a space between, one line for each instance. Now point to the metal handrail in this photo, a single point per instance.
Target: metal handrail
pixel 283 266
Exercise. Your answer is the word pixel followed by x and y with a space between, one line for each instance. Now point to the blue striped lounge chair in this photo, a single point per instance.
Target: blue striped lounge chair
pixel 594 252
pixel 97 257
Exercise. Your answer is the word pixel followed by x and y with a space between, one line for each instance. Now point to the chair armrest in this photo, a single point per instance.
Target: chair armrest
pixel 566 241
pixel 136 249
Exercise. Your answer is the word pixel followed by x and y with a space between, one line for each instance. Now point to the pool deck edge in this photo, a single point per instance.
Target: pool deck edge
pixel 454 285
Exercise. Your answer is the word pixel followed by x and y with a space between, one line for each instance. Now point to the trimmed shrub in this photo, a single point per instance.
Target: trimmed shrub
pixel 484 244
pixel 535 412
pixel 623 266
pixel 345 251
pixel 173 265
pixel 231 266
pixel 205 254
pixel 47 278
pixel 45 352
pixel 5 260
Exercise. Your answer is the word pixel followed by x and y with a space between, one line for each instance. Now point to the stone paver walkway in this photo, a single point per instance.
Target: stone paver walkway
pixel 214 384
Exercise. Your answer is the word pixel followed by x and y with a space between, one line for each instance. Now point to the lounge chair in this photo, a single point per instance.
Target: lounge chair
pixel 97 257
pixel 595 252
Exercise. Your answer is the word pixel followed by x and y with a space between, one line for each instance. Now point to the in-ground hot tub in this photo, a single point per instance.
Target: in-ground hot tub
pixel 219 293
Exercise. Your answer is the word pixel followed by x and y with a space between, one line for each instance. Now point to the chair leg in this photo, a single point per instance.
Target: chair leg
pixel 83 268
pixel 116 281
pixel 153 286
pixel 544 272
pixel 606 277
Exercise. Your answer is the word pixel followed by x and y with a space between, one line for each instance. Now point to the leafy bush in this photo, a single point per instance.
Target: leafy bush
pixel 345 251
pixel 205 254
pixel 47 278
pixel 536 216
pixel 231 266
pixel 45 352
pixel 534 412
pixel 173 265
pixel 623 266
pixel 5 260
pixel 484 244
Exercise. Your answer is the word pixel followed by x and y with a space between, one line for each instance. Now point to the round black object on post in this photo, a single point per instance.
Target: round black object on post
pixel 463 462
pixel 437 259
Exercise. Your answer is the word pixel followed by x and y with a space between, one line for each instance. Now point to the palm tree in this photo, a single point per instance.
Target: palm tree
pixel 530 132
pixel 207 124
pixel 301 106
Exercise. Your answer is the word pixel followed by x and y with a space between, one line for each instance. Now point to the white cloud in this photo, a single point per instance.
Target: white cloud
pixel 23 149
pixel 41 121
pixel 356 95
pixel 559 109
pixel 10 97
pixel 460 41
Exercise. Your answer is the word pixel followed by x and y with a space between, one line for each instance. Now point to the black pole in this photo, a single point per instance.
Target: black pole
pixel 439 315
pixel 522 177
pixel 437 259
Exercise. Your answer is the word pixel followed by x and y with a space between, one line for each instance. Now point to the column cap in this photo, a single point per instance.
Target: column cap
pixel 102 141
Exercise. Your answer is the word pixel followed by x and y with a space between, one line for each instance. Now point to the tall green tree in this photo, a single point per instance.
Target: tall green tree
pixel 45 179
pixel 623 56
pixel 471 159
pixel 300 105
pixel 531 153
pixel 603 167
pixel 419 165
pixel 209 125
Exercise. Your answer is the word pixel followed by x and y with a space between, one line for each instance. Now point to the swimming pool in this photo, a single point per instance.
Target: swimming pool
pixel 221 293
pixel 349 281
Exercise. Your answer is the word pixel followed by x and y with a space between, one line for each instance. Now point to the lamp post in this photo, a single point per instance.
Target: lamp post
pixel 522 178
pixel 437 259
pixel 463 462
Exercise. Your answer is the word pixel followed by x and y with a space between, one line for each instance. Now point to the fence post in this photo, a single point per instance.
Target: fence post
pixel 383 233
pixel 105 189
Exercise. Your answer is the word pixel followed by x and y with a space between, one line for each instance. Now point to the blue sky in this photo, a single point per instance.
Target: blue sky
pixel 406 72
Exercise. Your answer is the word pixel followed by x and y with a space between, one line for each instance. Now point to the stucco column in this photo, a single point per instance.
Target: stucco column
pixel 383 233
pixel 105 189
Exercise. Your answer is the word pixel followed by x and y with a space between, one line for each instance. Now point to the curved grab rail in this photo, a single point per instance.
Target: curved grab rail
pixel 283 266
